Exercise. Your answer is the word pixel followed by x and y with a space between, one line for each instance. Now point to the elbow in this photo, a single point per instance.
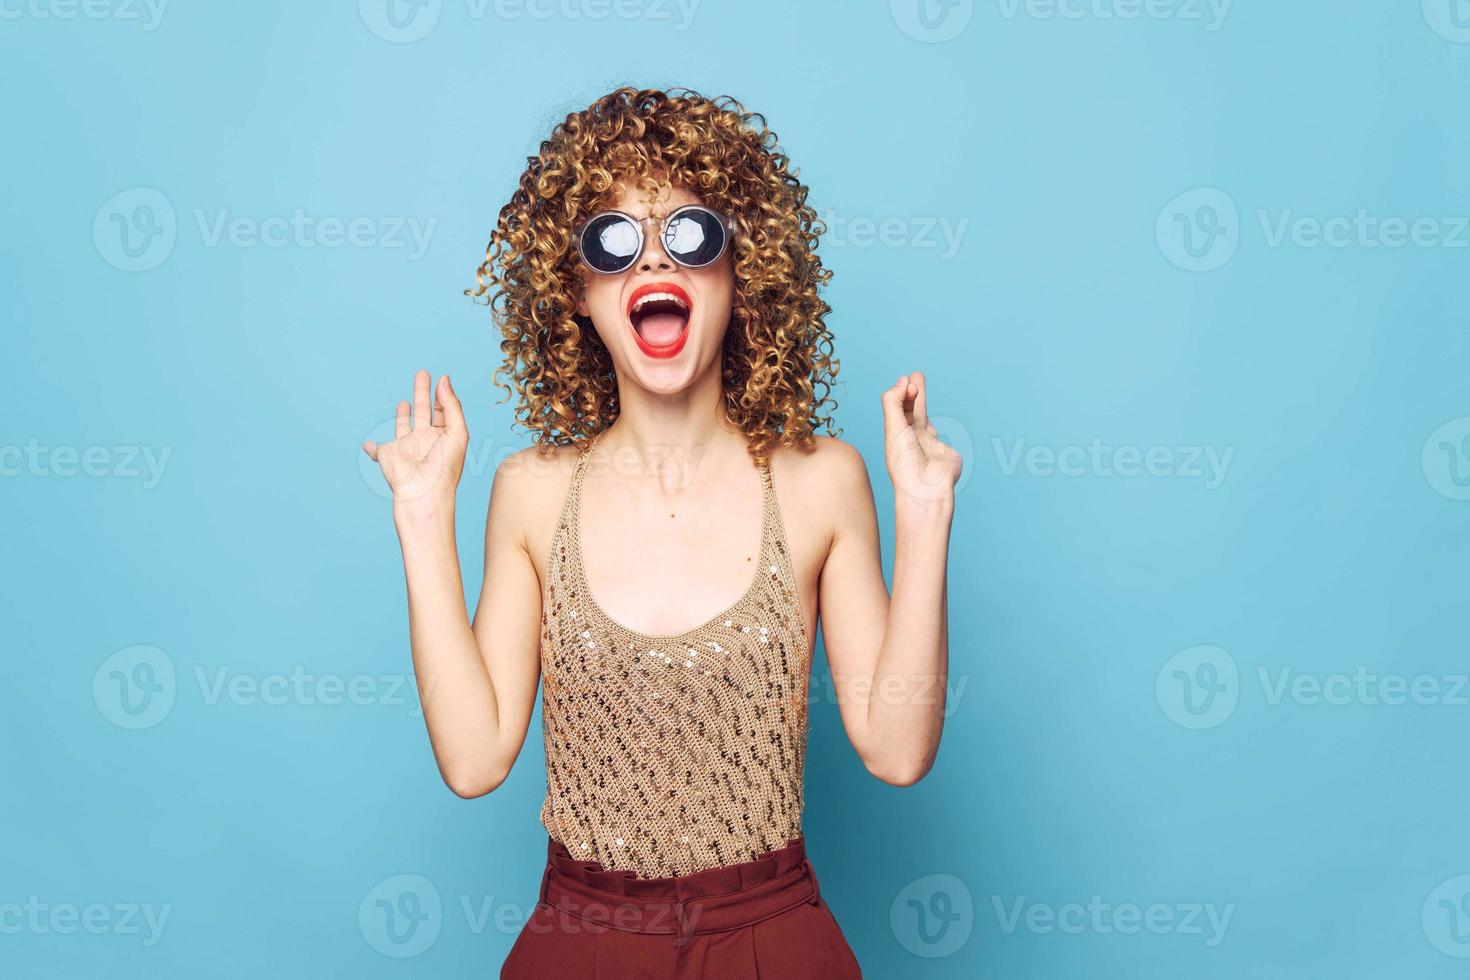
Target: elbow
pixel 471 784
pixel 899 772
pixel 901 777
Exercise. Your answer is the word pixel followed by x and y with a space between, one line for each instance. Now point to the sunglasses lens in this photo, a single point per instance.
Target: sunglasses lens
pixel 694 237
pixel 610 243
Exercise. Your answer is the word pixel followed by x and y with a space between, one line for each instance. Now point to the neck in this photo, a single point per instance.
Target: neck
pixel 656 432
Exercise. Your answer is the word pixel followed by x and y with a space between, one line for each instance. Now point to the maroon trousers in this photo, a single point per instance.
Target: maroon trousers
pixel 760 918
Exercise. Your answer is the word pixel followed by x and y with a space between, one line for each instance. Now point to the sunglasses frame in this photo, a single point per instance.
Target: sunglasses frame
pixel 726 222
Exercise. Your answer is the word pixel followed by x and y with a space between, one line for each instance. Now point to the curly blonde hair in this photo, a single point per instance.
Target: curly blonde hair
pixel 778 365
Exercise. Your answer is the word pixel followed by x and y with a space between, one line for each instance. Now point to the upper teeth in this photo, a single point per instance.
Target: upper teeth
pixel 653 297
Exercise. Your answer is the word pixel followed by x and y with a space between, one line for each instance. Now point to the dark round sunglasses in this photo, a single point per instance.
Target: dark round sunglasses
pixel 693 236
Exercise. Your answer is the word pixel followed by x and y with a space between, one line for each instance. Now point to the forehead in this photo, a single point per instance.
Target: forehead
pixel 642 201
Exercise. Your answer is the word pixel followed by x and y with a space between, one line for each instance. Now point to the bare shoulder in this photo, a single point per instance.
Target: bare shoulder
pixel 831 467
pixel 528 489
pixel 825 488
pixel 534 468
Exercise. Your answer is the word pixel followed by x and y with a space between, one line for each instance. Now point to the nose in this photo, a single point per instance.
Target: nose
pixel 654 258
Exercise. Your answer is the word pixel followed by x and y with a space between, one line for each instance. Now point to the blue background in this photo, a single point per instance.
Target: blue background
pixel 1077 760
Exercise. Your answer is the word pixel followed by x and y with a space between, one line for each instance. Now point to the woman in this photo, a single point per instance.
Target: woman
pixel 657 561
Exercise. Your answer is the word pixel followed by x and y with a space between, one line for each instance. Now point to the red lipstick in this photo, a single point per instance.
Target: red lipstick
pixel 677 298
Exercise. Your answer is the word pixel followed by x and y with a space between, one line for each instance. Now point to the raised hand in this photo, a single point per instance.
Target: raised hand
pixel 919 463
pixel 424 461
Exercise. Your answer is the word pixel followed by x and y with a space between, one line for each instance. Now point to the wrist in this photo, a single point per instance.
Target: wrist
pixel 923 512
pixel 425 513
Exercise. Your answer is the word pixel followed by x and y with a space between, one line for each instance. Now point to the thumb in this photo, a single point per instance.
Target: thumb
pixel 453 411
pixel 893 417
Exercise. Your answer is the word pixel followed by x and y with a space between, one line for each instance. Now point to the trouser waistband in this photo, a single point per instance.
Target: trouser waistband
pixel 709 901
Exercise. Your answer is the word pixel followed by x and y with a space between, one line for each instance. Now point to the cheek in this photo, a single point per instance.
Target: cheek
pixel 599 300
pixel 719 295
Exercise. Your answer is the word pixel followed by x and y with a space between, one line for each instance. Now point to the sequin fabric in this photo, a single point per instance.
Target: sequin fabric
pixel 667 755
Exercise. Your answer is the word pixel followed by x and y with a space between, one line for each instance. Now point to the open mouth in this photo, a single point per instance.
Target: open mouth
pixel 659 313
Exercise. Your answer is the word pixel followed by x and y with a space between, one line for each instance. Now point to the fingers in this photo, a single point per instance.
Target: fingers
pixel 921 410
pixel 422 415
pixel 449 412
pixel 907 404
pixel 443 412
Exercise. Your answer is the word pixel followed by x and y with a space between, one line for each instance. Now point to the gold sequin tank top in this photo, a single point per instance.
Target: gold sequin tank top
pixel 667 755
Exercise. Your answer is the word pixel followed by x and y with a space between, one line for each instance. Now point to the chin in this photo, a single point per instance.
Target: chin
pixel 667 375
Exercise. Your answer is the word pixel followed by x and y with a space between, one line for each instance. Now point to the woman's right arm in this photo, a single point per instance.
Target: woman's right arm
pixel 477 681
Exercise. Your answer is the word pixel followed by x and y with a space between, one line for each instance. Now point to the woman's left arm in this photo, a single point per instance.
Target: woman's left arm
pixel 890 655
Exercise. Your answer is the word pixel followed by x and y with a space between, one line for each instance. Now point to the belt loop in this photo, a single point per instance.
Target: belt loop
pixel 812 876
pixel 545 880
pixel 680 924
